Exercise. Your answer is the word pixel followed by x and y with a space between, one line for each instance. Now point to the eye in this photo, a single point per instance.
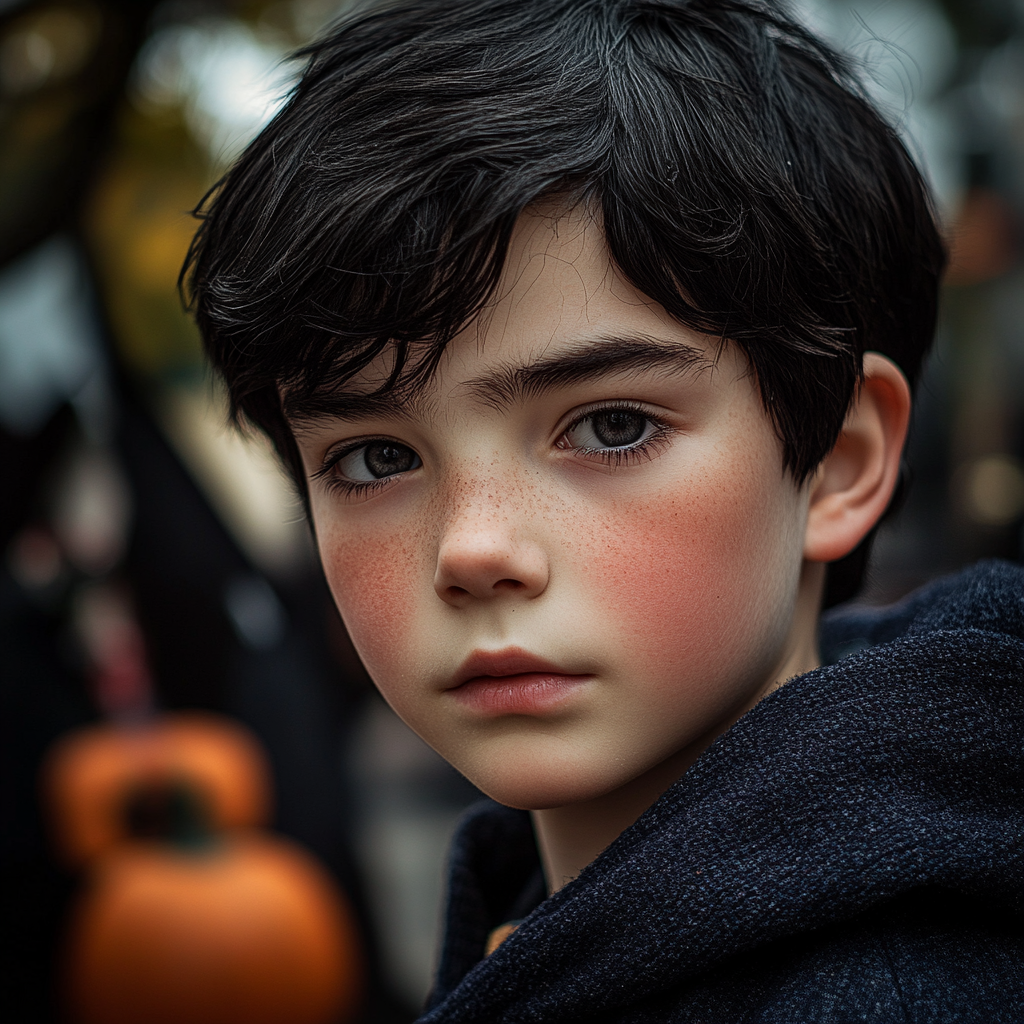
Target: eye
pixel 375 460
pixel 610 429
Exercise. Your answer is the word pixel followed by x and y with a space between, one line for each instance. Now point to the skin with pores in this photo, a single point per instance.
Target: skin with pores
pixel 588 483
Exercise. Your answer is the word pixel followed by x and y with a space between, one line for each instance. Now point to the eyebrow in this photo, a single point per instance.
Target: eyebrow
pixel 584 361
pixel 301 410
pixel 510 384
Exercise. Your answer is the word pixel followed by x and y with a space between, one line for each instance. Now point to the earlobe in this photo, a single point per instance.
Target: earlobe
pixel 853 485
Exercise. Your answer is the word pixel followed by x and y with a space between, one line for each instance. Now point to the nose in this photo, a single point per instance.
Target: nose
pixel 483 555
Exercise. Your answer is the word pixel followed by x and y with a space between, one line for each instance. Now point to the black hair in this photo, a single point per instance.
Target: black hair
pixel 743 179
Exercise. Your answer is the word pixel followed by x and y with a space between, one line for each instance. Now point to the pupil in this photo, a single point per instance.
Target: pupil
pixel 618 429
pixel 385 458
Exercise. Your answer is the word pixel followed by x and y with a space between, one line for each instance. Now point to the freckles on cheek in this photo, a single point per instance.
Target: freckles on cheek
pixel 680 579
pixel 650 567
pixel 372 584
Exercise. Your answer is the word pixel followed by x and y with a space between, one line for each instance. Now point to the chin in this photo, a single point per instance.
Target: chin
pixel 539 787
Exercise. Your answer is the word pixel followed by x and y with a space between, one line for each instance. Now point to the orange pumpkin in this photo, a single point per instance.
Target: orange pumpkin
pixel 91 773
pixel 242 930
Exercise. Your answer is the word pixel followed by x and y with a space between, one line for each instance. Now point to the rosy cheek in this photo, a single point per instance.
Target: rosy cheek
pixel 679 579
pixel 373 584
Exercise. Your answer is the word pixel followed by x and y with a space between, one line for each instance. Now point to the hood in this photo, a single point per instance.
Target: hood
pixel 895 768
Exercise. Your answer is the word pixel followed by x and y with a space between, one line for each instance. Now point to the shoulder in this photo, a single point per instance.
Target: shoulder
pixel 985 598
pixel 926 958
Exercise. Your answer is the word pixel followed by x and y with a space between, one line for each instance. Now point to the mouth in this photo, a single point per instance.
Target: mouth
pixel 513 682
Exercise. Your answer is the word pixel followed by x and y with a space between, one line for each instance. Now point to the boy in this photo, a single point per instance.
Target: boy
pixel 585 327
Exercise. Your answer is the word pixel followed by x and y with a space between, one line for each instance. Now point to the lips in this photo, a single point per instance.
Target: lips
pixel 513 681
pixel 511 661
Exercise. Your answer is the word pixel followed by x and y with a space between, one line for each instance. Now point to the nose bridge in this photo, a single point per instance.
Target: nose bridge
pixel 480 497
pixel 486 546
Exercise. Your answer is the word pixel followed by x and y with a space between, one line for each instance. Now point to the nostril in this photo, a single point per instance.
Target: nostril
pixel 480 568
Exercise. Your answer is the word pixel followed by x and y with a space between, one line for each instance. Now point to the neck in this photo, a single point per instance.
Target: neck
pixel 570 837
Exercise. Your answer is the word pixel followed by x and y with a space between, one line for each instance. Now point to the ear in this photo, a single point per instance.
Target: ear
pixel 852 487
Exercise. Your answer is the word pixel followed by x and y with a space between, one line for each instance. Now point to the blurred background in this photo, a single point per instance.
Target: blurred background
pixel 121 485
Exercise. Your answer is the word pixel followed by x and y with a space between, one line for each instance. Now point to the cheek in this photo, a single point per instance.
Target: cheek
pixel 373 581
pixel 695 583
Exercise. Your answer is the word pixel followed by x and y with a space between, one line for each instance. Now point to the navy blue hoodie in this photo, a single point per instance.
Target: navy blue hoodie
pixel 850 850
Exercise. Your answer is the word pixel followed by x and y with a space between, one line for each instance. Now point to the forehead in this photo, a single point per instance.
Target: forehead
pixel 559 286
pixel 561 311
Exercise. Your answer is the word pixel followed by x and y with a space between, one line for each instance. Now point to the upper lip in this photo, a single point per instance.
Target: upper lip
pixel 511 661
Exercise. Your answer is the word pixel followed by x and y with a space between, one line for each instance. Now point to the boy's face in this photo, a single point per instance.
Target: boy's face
pixel 576 552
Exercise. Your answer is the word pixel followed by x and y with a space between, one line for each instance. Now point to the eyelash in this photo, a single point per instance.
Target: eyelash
pixel 630 454
pixel 350 488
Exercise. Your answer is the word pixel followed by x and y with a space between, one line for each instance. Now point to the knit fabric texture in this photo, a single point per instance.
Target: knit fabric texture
pixel 850 850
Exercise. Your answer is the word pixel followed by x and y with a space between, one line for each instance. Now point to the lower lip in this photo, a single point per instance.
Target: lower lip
pixel 532 693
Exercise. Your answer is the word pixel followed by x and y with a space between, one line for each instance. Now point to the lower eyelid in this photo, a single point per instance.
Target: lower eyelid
pixel 350 488
pixel 646 449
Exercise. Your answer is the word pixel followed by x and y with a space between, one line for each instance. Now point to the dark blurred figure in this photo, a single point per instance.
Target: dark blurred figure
pixel 62 67
pixel 93 491
pixel 966 450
